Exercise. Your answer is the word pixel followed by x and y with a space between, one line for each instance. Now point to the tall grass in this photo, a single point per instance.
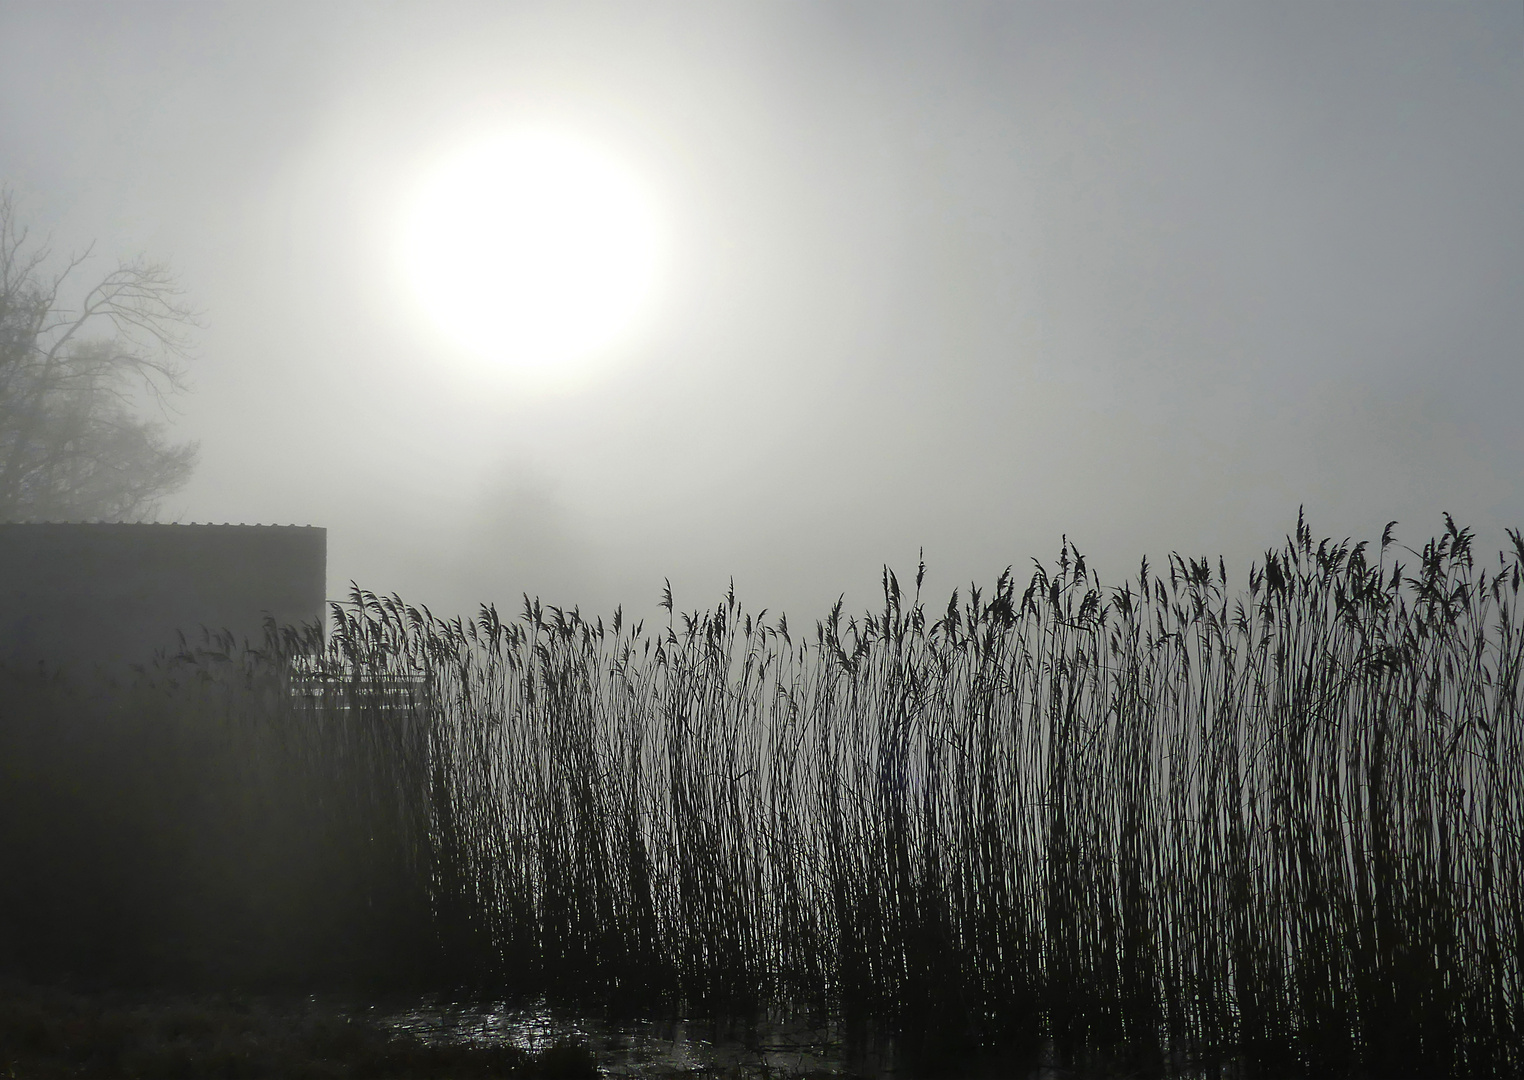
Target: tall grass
pixel 1280 823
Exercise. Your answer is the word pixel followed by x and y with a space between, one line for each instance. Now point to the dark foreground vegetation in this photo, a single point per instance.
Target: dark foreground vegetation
pixel 1276 826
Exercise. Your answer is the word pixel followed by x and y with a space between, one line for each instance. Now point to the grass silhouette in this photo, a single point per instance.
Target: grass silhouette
pixel 1278 825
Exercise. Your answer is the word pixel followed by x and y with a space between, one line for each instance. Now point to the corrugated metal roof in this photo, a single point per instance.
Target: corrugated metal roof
pixel 158 524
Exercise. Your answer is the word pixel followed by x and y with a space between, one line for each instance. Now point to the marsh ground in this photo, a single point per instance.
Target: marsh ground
pixel 55 1032
pixel 49 1031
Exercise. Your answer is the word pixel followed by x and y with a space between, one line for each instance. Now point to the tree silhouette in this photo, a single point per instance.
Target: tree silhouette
pixel 74 445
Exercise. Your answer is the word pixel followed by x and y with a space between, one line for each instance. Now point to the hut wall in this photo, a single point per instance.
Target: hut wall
pixel 111 594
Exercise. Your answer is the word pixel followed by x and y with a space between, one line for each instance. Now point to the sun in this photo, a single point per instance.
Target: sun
pixel 532 249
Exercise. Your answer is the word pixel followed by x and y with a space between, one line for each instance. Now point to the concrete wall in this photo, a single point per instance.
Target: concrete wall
pixel 107 594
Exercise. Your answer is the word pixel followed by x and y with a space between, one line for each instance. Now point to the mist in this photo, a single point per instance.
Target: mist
pixel 956 279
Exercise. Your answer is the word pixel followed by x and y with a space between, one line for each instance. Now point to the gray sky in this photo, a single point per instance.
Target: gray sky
pixel 967 277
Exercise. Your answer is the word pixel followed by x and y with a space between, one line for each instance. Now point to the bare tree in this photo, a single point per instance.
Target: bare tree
pixel 74 445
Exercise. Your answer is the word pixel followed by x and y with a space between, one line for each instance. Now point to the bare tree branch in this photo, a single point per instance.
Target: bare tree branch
pixel 71 444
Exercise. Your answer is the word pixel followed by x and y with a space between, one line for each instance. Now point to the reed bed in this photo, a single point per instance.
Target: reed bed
pixel 1278 825
pixel 1281 823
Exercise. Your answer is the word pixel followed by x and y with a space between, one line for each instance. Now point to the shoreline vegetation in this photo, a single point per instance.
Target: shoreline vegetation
pixel 1270 828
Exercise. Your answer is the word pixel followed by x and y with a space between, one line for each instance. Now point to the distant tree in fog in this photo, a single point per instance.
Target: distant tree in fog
pixel 74 443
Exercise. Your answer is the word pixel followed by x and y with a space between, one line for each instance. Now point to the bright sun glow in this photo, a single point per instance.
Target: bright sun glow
pixel 532 249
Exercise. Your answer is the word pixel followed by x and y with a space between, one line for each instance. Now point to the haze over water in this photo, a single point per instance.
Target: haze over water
pixel 963 278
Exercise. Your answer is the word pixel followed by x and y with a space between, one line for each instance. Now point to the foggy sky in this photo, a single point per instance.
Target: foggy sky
pixel 953 276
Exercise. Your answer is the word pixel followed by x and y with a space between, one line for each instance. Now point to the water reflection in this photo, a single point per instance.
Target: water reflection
pixel 676 1046
pixel 770 1047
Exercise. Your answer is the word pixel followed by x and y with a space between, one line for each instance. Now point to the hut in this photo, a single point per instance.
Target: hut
pixel 87 595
